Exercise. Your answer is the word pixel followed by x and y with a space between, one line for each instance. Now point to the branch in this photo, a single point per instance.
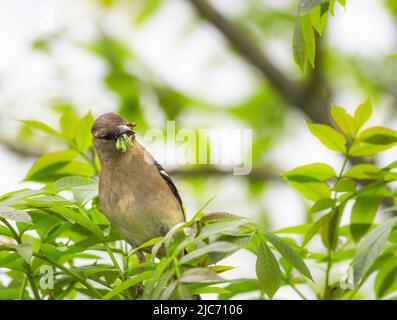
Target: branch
pixel 256 174
pixel 20 149
pixel 248 49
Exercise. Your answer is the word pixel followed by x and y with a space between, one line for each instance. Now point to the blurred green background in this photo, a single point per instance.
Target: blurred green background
pixel 216 64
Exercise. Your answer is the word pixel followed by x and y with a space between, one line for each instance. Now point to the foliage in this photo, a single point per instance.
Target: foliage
pixel 367 247
pixel 61 225
pixel 311 21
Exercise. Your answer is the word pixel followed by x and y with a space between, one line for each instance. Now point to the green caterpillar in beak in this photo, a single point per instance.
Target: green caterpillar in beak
pixel 124 143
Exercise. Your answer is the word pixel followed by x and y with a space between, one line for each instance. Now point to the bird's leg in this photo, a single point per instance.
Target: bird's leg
pixel 141 259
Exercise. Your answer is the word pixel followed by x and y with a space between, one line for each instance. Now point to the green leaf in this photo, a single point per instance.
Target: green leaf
pixel 68 123
pixel 306 5
pixel 345 185
pixel 267 270
pixel 331 7
pixel 379 136
pixel 25 251
pixel 12 261
pixel 48 201
pixel 76 182
pixel 315 228
pixel 330 230
pixel 9 293
pixel 386 279
pixel 71 169
pixel 146 10
pixel 392 165
pixel 370 247
pixel 14 215
pixel 312 190
pixel 204 290
pixel 199 275
pixel 161 284
pixel 363 213
pixel 363 171
pixel 363 113
pixel 5 232
pixel 17 197
pixel 328 136
pixel 49 161
pixel 308 39
pixel 169 290
pixel 319 18
pixel 219 246
pixel 80 219
pixel 41 127
pixel 128 283
pixel 83 132
pixel 321 204
pixel 373 140
pixel 240 287
pixel 298 47
pixel 220 227
pixel 171 234
pixel 389 176
pixel 298 229
pixel 308 180
pixel 220 269
pixel 288 253
pixel 343 120
pixel 316 171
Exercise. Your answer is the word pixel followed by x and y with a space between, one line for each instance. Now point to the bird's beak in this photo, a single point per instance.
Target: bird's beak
pixel 124 129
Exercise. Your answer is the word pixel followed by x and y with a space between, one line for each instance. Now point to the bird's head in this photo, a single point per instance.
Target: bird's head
pixel 105 132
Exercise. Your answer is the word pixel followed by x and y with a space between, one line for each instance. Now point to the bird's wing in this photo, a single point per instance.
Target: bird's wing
pixel 166 178
pixel 170 184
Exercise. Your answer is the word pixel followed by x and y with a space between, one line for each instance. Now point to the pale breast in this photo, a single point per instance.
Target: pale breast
pixel 136 200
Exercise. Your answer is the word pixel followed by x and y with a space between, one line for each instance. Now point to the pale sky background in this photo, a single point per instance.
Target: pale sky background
pixel 28 79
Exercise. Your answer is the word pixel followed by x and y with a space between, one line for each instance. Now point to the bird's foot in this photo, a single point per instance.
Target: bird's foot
pixel 138 290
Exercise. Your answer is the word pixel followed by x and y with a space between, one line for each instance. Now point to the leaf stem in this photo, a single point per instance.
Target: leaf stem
pixel 327 275
pixel 116 264
pixel 327 288
pixel 31 282
pixel 178 277
pixel 113 258
pixel 343 166
pixel 23 286
pixel 295 288
pixel 17 238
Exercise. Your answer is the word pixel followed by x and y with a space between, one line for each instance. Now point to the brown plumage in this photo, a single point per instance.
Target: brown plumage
pixel 135 193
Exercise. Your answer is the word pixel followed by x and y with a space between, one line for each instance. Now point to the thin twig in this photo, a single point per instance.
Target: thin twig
pixel 295 288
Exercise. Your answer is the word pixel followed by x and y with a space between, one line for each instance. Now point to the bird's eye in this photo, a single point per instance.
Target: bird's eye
pixel 108 137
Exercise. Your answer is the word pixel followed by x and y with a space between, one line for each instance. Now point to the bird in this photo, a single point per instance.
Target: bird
pixel 135 193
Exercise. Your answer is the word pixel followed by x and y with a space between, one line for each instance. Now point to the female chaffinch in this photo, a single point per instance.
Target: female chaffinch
pixel 135 193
